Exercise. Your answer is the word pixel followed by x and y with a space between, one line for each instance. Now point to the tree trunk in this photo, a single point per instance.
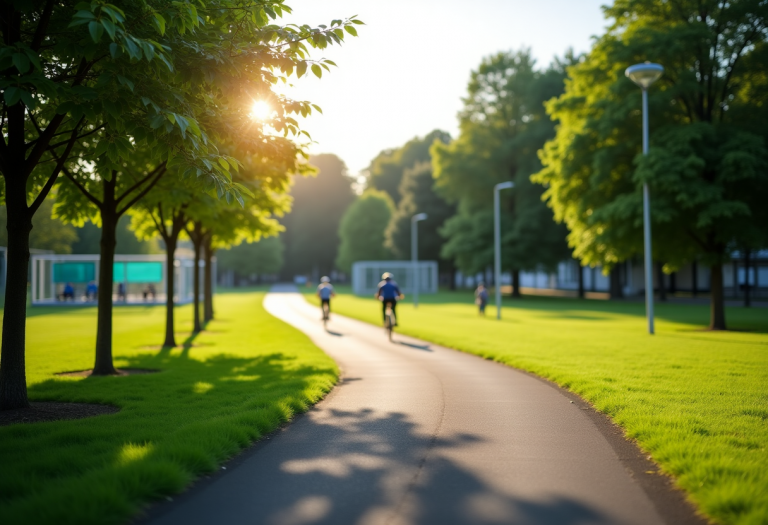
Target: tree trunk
pixel 208 281
pixel 104 364
pixel 717 304
pixel 581 280
pixel 515 283
pixel 197 242
pixel 170 279
pixel 746 278
pixel 615 283
pixel 13 381
pixel 660 277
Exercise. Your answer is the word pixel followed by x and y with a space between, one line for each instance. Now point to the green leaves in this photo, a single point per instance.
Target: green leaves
pixel 317 71
pixel 96 29
pixel 594 169
pixel 21 61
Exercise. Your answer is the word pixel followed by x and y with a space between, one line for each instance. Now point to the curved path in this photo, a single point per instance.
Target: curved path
pixel 418 434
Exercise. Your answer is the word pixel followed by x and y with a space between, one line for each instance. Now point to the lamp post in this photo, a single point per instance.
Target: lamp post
pixel 644 75
pixel 415 255
pixel 497 242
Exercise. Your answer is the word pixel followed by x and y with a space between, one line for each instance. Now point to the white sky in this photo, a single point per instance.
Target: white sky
pixel 405 74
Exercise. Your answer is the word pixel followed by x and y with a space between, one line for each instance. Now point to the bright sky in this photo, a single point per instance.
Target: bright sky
pixel 406 72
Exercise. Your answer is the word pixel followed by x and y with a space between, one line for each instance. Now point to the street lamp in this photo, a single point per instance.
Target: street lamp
pixel 497 242
pixel 644 75
pixel 414 254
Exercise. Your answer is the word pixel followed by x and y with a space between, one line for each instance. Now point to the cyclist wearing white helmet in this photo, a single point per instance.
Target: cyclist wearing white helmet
pixel 325 292
pixel 388 292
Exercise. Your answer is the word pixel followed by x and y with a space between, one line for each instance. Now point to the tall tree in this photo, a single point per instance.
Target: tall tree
pixel 503 125
pixel 706 168
pixel 68 74
pixel 418 196
pixel 264 257
pixel 362 230
pixel 312 227
pixel 386 171
pixel 163 212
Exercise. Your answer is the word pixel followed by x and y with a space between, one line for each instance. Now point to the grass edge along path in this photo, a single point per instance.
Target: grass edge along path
pixel 695 401
pixel 239 380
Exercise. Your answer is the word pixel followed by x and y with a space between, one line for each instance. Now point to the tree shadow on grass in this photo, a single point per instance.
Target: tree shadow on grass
pixel 339 466
pixel 187 419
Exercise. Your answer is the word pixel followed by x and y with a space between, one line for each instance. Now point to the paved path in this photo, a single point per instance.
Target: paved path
pixel 418 434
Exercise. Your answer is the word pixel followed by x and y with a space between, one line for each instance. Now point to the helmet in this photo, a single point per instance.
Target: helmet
pixel 387 275
pixel 325 279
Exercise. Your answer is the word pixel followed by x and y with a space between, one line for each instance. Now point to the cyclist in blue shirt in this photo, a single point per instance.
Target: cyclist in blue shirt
pixel 325 292
pixel 388 292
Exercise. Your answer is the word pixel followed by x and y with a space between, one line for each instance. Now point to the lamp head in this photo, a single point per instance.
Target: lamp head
pixel 419 217
pixel 504 185
pixel 644 74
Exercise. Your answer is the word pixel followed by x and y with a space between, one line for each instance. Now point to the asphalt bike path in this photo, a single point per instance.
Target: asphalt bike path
pixel 419 434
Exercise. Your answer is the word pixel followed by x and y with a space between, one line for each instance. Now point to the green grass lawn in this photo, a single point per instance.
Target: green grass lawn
pixel 238 380
pixel 697 401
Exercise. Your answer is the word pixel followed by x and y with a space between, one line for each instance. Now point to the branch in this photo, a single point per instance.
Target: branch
pixel 82 188
pixel 160 226
pixel 42 143
pixel 42 26
pixel 140 194
pixel 79 137
pixel 55 174
pixel 161 166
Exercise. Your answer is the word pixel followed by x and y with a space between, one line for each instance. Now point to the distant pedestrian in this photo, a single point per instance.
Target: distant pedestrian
pixel 69 292
pixel 91 290
pixel 481 298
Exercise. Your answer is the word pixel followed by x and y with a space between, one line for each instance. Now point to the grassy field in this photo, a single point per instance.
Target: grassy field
pixel 216 394
pixel 697 401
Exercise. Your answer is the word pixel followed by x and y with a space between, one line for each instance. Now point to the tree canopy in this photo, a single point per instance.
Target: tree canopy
pixel 706 168
pixel 264 257
pixel 386 171
pixel 503 124
pixel 418 196
pixel 362 230
pixel 312 227
pixel 168 83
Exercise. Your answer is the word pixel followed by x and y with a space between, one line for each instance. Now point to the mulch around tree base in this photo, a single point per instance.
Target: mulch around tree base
pixel 42 411
pixel 120 372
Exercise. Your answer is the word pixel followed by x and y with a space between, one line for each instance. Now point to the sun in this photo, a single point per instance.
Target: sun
pixel 260 110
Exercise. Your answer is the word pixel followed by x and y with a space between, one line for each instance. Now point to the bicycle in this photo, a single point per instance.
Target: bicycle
pixel 326 314
pixel 389 320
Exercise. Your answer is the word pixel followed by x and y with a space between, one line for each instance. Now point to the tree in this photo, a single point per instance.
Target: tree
pixel 706 167
pixel 312 227
pixel 48 233
pixel 418 196
pixel 163 212
pixel 102 191
pixel 104 73
pixel 503 125
pixel 362 230
pixel 264 257
pixel 386 171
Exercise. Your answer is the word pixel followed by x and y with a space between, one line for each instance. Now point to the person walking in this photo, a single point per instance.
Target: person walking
pixel 481 298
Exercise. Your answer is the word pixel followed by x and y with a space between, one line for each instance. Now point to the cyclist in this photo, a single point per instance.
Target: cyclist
pixel 325 292
pixel 388 292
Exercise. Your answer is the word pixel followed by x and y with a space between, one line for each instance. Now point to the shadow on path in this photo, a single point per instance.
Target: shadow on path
pixel 363 466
